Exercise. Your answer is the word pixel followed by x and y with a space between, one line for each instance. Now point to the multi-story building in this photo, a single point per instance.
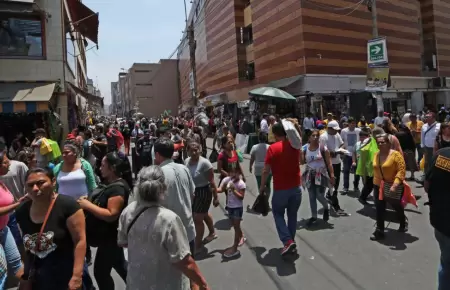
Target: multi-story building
pixel 317 47
pixel 150 88
pixel 113 108
pixel 42 58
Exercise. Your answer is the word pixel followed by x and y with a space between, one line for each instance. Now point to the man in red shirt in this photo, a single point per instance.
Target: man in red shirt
pixel 284 162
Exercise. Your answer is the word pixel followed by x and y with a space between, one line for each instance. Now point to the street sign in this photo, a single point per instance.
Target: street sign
pixel 377 51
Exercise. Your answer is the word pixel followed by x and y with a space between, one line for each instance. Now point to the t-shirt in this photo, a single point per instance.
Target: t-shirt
pixel 228 162
pixel 333 143
pixel 233 200
pixel 350 138
pixel 283 160
pixel 416 130
pixel 259 152
pixel 56 254
pixel 308 123
pixel 199 171
pixel 100 230
pixel 14 179
pixel 144 145
pixel 379 120
pixel 6 198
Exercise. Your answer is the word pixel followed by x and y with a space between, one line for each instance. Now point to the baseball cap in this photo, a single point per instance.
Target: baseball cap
pixel 333 125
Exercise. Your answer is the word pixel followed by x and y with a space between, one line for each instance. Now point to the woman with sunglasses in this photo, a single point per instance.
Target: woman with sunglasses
pixel 389 174
pixel 318 176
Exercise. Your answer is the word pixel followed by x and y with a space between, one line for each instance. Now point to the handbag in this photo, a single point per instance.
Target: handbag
pixel 26 282
pixel 261 205
pixel 213 156
pixel 386 188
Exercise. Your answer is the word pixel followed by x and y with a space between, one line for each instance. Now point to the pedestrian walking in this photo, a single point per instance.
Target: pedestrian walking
pixel 284 162
pixel 258 156
pixel 430 130
pixel 350 136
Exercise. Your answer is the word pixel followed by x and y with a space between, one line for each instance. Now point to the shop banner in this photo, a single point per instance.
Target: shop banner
pixel 377 79
pixel 241 142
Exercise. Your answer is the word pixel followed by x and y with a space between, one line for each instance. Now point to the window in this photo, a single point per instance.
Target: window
pixel 21 36
pixel 143 84
pixel 142 71
pixel 70 53
pixel 247 35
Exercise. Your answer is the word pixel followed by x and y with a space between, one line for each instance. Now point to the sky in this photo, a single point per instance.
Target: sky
pixel 132 31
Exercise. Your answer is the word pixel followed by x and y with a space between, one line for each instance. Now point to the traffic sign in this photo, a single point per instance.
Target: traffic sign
pixel 377 51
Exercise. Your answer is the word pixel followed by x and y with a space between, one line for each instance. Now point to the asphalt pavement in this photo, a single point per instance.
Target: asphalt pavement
pixel 334 255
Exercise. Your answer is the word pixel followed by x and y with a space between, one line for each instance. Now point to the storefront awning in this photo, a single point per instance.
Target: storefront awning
pixel 84 19
pixel 89 97
pixel 25 97
pixel 283 83
pixel 213 100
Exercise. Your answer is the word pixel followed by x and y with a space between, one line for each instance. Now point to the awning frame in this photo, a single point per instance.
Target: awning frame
pixel 85 24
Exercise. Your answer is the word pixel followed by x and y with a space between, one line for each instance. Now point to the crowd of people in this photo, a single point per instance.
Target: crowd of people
pixel 90 197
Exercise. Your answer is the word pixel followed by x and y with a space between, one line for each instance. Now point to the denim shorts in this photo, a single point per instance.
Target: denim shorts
pixel 235 213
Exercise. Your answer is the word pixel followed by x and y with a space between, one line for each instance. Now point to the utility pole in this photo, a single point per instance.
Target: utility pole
pixel 372 6
pixel 192 47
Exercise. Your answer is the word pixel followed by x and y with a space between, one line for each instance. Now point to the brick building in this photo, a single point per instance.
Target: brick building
pixel 316 47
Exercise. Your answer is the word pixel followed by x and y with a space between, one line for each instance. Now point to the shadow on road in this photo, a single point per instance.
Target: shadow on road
pixel 317 226
pixel 285 266
pixel 397 241
pixel 223 225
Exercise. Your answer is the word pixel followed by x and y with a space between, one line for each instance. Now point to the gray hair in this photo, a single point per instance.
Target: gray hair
pixel 72 147
pixel 377 131
pixel 150 185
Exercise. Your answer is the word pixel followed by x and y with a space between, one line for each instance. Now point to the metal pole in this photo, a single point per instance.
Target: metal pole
pixel 185 12
pixel 192 48
pixel 379 97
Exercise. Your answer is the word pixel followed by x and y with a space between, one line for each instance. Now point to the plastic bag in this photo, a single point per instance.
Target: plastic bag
pixel 292 133
pixel 261 205
pixel 213 156
pixel 240 156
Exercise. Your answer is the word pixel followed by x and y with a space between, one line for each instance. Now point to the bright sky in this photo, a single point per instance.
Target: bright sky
pixel 132 31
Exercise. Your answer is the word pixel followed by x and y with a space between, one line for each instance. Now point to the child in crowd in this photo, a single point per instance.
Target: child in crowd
pixel 234 187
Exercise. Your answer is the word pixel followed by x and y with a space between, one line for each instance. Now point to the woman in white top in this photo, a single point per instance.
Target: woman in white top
pixel 318 176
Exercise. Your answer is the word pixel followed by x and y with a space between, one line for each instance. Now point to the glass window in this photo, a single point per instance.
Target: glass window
pixel 70 53
pixel 20 36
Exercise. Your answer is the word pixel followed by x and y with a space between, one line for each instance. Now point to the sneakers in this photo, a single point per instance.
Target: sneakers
pixel 288 248
pixel 311 221
pixel 345 191
pixel 377 235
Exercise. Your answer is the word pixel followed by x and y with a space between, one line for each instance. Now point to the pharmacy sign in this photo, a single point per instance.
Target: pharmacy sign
pixel 377 51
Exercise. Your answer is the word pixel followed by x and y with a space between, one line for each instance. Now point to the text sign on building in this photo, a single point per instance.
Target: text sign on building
pixel 377 51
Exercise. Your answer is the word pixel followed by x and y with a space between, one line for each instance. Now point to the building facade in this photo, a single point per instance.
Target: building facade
pixel 43 43
pixel 317 48
pixel 150 88
pixel 115 97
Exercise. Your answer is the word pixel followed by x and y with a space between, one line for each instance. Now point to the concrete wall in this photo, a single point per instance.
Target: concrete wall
pixel 52 67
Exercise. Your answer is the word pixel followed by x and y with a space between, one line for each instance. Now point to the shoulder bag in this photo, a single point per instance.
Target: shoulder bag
pixel 26 282
pixel 137 216
pixel 387 185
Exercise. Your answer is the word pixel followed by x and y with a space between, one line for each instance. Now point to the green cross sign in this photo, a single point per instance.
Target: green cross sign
pixel 376 51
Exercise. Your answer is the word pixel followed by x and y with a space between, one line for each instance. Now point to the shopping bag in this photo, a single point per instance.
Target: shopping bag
pixel 241 142
pixel 56 152
pixel 45 148
pixel 213 156
pixel 240 156
pixel 261 205
pixel 292 133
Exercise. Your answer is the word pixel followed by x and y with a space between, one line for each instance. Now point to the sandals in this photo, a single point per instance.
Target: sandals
pixel 209 239
pixel 231 255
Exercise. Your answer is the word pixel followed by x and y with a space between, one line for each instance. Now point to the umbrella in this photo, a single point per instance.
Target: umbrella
pixel 271 92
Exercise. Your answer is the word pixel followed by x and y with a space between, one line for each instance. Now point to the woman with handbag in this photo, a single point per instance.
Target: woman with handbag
pixel 103 209
pixel 54 236
pixel 159 255
pixel 389 174
pixel 318 176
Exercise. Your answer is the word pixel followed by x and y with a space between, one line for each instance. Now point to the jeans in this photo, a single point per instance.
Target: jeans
pixel 380 206
pixel 419 152
pixel 444 268
pixel 368 187
pixel 316 193
pixel 12 254
pixel 109 257
pixel 14 228
pixel 347 168
pixel 286 202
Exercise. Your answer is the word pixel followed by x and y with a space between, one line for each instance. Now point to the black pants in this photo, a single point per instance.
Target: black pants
pixel 109 257
pixel 368 187
pixel 337 178
pixel 380 206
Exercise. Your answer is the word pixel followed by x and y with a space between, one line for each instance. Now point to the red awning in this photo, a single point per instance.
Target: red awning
pixel 84 19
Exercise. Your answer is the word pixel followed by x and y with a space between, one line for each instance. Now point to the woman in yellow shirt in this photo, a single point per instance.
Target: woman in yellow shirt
pixel 388 175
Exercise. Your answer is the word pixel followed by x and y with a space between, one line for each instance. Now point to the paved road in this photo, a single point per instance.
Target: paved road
pixel 338 255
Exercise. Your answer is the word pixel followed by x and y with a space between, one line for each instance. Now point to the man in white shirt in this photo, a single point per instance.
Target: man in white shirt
pixel 350 136
pixel 333 141
pixel 308 125
pixel 428 136
pixel 264 126
pixel 379 120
